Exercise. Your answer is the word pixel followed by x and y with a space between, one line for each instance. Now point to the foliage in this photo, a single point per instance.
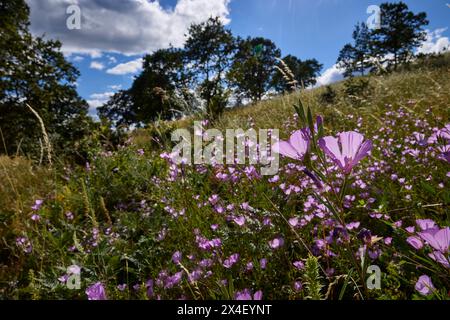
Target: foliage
pixel 312 279
pixel 357 89
pixel 356 187
pixel 387 46
pixel 159 92
pixel 213 69
pixel 356 58
pixel 252 70
pixel 328 96
pixel 34 71
pixel 209 48
pixel 401 31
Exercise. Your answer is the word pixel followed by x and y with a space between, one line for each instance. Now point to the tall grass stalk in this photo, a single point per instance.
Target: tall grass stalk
pixel 48 146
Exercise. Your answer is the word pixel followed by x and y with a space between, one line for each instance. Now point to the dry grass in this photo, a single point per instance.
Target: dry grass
pixel 419 90
pixel 20 183
pixel 48 146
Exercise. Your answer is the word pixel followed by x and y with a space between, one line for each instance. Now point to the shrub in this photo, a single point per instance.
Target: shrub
pixel 328 96
pixel 357 90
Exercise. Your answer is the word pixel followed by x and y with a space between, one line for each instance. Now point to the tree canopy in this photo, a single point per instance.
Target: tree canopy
pixel 155 93
pixel 34 71
pixel 389 45
pixel 212 67
pixel 357 57
pixel 253 67
pixel 401 31
pixel 209 49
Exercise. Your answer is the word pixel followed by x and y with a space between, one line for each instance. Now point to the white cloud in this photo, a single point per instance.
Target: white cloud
pixel 101 96
pixel 95 54
pixel 94 104
pixel 130 67
pixel 115 87
pixel 112 60
pixel 97 100
pixel 330 75
pixel 97 65
pixel 435 42
pixel 77 58
pixel 129 27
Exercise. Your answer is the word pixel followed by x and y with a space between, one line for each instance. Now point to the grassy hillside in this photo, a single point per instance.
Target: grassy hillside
pixel 140 227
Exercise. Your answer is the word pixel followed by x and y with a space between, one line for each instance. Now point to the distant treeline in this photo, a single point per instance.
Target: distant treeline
pixel 212 71
pixel 215 69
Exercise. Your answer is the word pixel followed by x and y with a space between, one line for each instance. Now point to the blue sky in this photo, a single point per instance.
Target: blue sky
pixel 319 28
pixel 114 35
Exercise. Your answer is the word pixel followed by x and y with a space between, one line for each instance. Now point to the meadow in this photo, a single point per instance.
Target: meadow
pixel 358 210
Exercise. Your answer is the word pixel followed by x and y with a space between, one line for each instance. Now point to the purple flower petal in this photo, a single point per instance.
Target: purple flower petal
pixel 439 257
pixel 240 221
pixel 350 143
pixel 353 225
pixel 276 243
pixel 176 257
pixel 410 229
pixel 425 224
pixel 228 263
pixel 300 142
pixel 96 292
pixel 243 295
pixel 293 221
pixel 330 145
pixel 258 295
pixel 295 148
pixel 438 239
pixel 424 285
pixel 285 149
pixel 415 242
pixel 37 204
pixel 74 269
pixel 263 263
pixel 346 150
pixel 299 265
pixel 363 151
pixel 298 286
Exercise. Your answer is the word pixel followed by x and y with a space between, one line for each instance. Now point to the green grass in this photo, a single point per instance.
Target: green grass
pixel 129 217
